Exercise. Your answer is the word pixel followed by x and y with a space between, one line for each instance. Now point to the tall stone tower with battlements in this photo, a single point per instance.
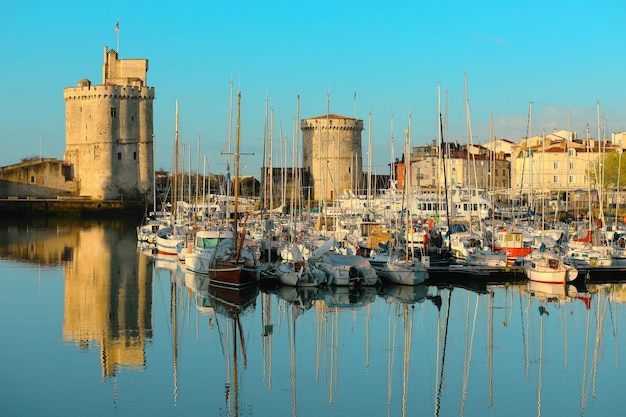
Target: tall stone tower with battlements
pixel 109 132
pixel 332 154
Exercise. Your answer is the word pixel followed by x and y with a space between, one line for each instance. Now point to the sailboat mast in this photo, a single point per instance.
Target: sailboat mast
pixel 407 189
pixel 175 186
pixel 369 157
pixel 393 164
pixel 237 133
pixel 294 162
pixel 264 184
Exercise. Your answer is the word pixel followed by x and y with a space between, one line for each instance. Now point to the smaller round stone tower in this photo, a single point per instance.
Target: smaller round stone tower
pixel 332 154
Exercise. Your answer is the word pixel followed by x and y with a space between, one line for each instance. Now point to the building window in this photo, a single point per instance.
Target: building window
pixel 555 179
pixel 571 179
pixel 114 112
pixel 32 179
pixel 119 156
pixel 135 156
pixel 555 165
pixel 96 152
pixel 571 165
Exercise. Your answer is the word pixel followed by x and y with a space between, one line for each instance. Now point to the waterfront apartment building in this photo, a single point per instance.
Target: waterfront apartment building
pixel 558 163
pixel 109 132
pixel 462 166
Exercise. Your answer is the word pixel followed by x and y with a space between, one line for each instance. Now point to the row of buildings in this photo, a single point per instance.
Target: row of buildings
pixel 554 163
pixel 109 154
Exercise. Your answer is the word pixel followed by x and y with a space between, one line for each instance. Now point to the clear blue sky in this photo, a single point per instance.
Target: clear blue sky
pixel 565 57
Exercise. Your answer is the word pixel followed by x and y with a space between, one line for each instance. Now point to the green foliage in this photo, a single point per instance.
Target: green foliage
pixel 614 169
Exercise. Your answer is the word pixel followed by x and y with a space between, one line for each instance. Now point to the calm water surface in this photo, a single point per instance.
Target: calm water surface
pixel 93 326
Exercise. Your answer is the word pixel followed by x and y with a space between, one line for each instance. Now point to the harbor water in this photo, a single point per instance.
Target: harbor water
pixel 93 325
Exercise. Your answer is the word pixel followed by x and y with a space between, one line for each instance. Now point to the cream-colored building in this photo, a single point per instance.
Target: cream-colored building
pixel 109 131
pixel 332 154
pixel 463 166
pixel 548 164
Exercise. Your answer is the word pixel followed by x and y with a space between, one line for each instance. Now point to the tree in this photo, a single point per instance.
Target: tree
pixel 614 170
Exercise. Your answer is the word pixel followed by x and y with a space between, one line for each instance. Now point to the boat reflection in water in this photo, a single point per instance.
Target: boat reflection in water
pixel 468 345
pixel 231 304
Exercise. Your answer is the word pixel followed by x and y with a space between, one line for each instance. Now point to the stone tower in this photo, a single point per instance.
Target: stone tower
pixel 332 154
pixel 109 132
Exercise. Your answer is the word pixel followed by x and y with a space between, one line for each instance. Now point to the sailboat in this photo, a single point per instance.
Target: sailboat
pixel 168 239
pixel 297 271
pixel 548 267
pixel 394 266
pixel 232 263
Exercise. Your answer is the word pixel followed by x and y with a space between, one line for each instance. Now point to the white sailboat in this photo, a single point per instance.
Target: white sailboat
pixel 296 271
pixel 549 267
pixel 168 239
pixel 395 266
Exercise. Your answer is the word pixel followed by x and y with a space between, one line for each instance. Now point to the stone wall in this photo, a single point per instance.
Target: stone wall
pixel 44 178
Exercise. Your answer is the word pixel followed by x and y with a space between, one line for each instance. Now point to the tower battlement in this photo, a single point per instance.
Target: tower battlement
pixel 116 92
pixel 331 122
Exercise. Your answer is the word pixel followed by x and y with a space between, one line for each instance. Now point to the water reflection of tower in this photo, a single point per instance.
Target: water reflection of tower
pixel 108 298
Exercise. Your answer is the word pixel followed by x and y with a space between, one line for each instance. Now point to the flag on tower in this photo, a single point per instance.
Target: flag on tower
pixel 117 26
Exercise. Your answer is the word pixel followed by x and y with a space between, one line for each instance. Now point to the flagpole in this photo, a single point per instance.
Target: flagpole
pixel 117 32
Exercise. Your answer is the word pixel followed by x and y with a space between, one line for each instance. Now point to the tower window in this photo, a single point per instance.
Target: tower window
pixel 119 156
pixel 114 112
pixel 135 156
pixel 32 179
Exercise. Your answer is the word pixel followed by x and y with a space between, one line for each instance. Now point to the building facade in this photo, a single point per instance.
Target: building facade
pixel 109 131
pixel 463 166
pixel 549 165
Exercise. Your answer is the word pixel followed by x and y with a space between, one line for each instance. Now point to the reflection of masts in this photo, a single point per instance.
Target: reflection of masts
pixel 235 374
pixel 391 348
pixel 391 342
pixel 469 344
pixel 174 322
pixel 490 348
pixel 319 318
pixel 524 334
pixel 334 347
pixel 443 357
pixel 594 367
pixel 408 339
pixel 539 379
pixel 368 316
pixel 267 339
pixel 292 362
pixel 583 389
